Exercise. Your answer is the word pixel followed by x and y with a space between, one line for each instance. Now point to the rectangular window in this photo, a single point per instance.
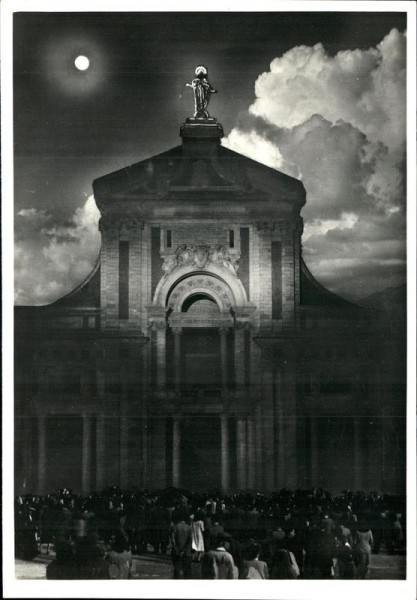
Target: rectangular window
pixel 244 261
pixel 231 238
pixel 123 280
pixel 156 263
pixel 169 238
pixel 276 266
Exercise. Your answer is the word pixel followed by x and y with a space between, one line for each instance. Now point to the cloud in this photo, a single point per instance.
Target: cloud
pixel 338 124
pixel 51 257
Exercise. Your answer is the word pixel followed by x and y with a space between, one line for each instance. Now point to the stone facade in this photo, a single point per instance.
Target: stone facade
pixel 201 352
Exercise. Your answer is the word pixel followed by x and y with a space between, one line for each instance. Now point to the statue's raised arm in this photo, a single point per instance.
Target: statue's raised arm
pixel 202 92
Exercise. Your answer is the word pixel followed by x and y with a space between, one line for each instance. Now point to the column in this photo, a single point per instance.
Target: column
pixel 158 447
pixel 101 383
pixel 314 452
pixel 223 353
pixel 145 451
pixel 250 453
pixel 241 452
pixel 160 356
pixel 176 452
pixel 177 355
pixel 225 476
pixel 100 451
pixel 144 387
pixel 239 355
pixel 124 450
pixel 137 282
pixel 124 422
pixel 258 448
pixel 27 454
pixel 41 453
pixel 357 452
pixel 279 433
pixel 291 419
pixel 86 458
pixel 268 426
pixel 265 275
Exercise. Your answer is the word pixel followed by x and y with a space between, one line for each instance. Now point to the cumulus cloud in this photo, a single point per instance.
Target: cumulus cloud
pixel 51 257
pixel 338 124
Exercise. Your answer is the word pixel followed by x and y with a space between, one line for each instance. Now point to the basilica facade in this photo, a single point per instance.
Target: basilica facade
pixel 201 352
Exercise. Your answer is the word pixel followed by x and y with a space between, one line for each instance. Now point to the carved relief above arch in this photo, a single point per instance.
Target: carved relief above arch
pixel 217 282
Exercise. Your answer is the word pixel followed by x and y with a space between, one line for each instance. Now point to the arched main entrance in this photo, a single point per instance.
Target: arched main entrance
pixel 202 349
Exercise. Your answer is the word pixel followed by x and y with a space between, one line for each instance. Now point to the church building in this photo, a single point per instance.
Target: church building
pixel 201 352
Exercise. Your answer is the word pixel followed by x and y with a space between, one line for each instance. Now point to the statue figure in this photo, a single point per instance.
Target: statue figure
pixel 183 254
pixel 169 264
pixel 220 255
pixel 200 255
pixel 202 92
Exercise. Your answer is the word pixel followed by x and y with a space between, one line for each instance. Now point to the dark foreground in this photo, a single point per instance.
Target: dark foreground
pixel 382 566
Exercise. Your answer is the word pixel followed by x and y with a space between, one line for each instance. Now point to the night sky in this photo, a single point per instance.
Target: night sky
pixel 315 95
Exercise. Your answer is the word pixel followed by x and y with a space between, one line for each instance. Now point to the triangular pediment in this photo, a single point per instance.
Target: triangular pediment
pixel 178 170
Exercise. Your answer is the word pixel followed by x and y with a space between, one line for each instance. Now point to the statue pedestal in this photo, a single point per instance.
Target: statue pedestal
pixel 195 120
pixel 201 128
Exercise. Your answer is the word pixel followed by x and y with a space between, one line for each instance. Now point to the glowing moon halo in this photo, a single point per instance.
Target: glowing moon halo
pixel 82 63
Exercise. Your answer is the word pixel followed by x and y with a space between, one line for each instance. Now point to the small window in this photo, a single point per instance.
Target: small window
pixel 231 238
pixel 169 238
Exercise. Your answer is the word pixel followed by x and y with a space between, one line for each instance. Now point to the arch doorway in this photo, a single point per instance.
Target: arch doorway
pixel 200 304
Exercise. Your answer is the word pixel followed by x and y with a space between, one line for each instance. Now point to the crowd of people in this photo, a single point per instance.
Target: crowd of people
pixel 288 534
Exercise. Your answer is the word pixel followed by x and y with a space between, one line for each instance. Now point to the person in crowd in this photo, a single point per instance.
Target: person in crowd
pixel 26 546
pixel 120 558
pixel 345 559
pixel 217 528
pixel 363 547
pixel 218 563
pixel 312 525
pixel 326 552
pixel 235 549
pixel 377 521
pixel 89 558
pixel 251 561
pixel 208 526
pixel 343 531
pixel 283 566
pixel 64 565
pixel 393 532
pixel 197 533
pixel 326 522
pixel 294 542
pixel 278 538
pixel 181 545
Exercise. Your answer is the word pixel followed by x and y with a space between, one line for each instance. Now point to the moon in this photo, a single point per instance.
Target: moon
pixel 82 63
